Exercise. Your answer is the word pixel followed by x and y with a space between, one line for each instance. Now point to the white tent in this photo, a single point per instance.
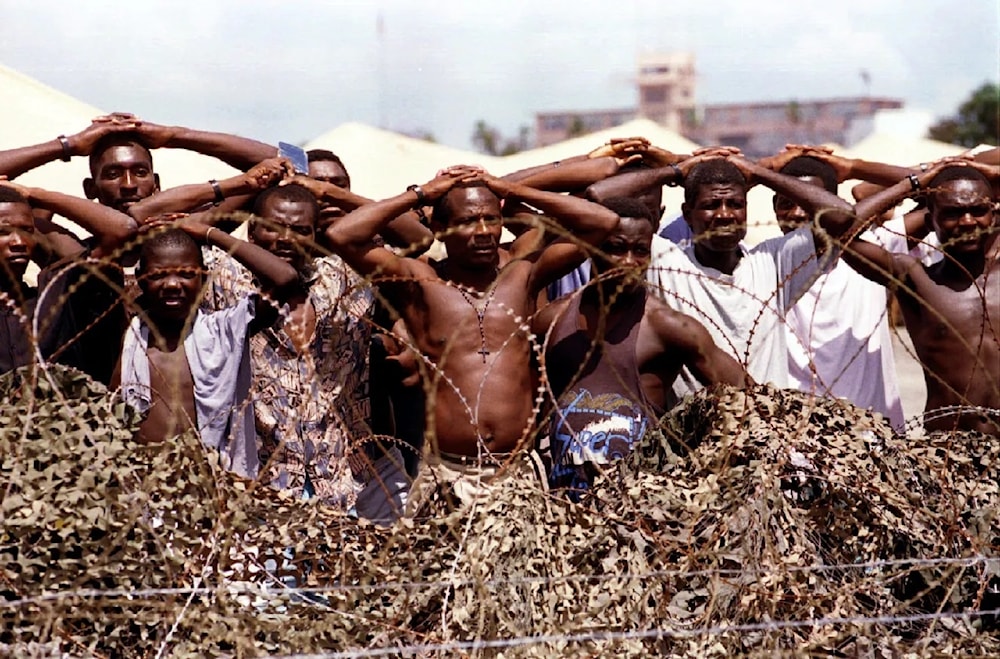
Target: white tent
pixel 903 151
pixel 655 133
pixel 759 211
pixel 382 163
pixel 33 113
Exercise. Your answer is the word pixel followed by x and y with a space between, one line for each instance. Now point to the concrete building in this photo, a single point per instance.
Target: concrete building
pixel 666 84
pixel 760 129
pixel 552 127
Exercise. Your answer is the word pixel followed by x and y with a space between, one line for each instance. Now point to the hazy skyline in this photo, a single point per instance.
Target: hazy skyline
pixel 293 70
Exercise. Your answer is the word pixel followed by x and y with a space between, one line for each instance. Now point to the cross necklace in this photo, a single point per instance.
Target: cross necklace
pixel 480 315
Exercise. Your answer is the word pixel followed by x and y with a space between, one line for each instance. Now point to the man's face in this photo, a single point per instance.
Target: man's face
pixel 171 282
pixel 718 216
pixel 287 229
pixel 790 215
pixel 17 238
pixel 329 172
pixel 624 255
pixel 122 176
pixel 962 216
pixel 475 224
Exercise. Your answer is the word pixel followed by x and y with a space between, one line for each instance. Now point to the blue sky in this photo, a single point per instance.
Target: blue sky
pixel 294 69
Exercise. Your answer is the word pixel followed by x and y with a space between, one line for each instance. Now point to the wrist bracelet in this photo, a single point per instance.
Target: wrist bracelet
pixel 421 197
pixel 219 197
pixel 678 175
pixel 914 182
pixel 67 152
pixel 208 232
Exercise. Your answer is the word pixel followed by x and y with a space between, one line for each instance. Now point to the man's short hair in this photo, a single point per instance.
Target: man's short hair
pixel 116 139
pixel 716 171
pixel 166 239
pixel 811 166
pixel 11 196
pixel 957 173
pixel 319 155
pixel 292 192
pixel 442 212
pixel 628 207
pixel 954 173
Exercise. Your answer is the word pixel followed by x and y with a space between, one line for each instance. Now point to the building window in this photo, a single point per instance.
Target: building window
pixel 654 94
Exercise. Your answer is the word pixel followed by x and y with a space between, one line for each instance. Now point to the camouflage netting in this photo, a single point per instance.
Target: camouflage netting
pixel 780 524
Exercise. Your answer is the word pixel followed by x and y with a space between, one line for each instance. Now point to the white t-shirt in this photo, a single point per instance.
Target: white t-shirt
pixel 893 239
pixel 839 341
pixel 744 312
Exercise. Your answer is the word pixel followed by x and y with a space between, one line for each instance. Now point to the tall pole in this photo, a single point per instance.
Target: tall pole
pixel 380 66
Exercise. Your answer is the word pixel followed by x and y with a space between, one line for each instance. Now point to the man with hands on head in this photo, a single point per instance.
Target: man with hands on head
pixel 310 366
pixel 741 295
pixel 951 308
pixel 74 315
pixel 467 315
pixel 612 352
pixel 177 363
pixel 839 340
pixel 119 147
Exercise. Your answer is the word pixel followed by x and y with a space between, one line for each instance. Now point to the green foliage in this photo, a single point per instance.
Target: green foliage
pixel 746 508
pixel 576 127
pixel 976 122
pixel 489 140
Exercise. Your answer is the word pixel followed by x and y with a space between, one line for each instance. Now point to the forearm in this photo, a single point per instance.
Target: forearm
pixel 15 162
pixel 871 207
pixel 588 221
pixel 272 270
pixel 56 241
pixel 239 152
pixel 360 226
pixel 877 172
pixel 991 157
pixel 406 232
pixel 835 215
pixel 333 194
pixel 521 174
pixel 186 198
pixel 865 190
pixel 570 175
pixel 632 184
pixel 717 367
pixel 111 227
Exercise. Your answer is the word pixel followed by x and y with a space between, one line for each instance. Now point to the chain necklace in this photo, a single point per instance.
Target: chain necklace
pixel 480 315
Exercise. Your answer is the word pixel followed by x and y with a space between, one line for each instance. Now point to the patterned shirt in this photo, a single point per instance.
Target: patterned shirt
pixel 310 409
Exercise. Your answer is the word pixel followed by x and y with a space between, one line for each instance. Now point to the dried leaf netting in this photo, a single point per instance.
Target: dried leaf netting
pixel 778 523
pixel 751 522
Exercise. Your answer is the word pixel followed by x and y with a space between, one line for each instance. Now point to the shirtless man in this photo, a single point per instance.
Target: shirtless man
pixel 951 308
pixel 177 364
pixel 613 352
pixel 466 315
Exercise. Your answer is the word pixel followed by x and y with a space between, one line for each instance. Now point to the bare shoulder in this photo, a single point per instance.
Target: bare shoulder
pixel 670 325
